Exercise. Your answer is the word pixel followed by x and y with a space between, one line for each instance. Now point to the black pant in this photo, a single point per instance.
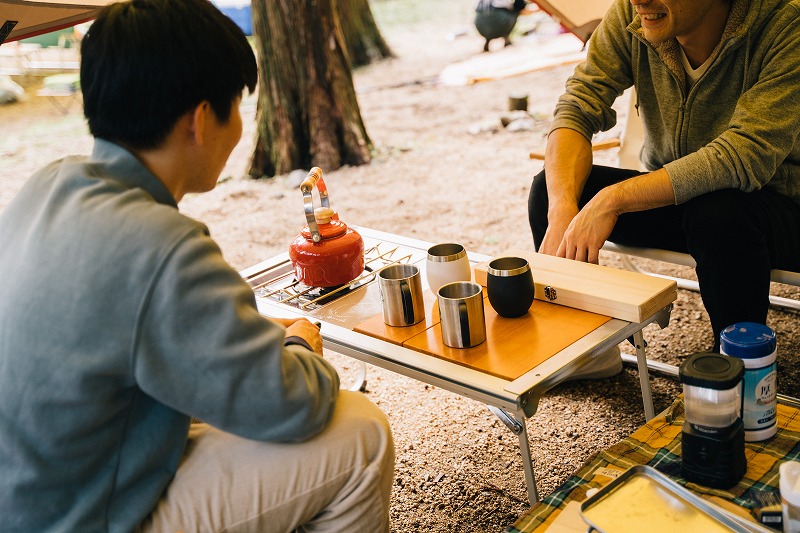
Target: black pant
pixel 735 238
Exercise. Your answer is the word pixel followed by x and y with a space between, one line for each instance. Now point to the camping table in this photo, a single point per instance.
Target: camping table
pixel 512 400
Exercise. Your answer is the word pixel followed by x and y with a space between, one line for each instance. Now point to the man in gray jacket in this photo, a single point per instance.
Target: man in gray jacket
pixel 120 321
pixel 717 84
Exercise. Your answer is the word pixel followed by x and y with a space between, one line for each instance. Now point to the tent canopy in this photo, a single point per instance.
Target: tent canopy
pixel 580 17
pixel 20 19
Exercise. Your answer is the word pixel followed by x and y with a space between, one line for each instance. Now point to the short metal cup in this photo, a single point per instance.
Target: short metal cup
pixel 401 294
pixel 461 312
pixel 509 284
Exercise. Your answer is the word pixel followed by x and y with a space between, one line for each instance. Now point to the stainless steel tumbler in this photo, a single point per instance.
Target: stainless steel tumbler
pixel 401 293
pixel 461 311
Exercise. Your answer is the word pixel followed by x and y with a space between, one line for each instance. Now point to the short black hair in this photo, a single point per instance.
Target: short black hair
pixel 146 63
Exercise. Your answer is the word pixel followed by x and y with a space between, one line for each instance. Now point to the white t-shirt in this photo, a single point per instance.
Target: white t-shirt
pixel 693 74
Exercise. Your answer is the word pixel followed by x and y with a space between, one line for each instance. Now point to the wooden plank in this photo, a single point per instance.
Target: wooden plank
pixel 513 346
pixel 376 327
pixel 609 291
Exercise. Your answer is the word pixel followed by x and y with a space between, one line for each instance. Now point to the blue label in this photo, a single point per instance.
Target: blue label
pixel 760 398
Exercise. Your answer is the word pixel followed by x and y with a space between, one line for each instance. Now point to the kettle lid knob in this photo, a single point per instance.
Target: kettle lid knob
pixel 323 215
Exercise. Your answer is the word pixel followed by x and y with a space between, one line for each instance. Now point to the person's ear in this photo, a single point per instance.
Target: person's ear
pixel 198 121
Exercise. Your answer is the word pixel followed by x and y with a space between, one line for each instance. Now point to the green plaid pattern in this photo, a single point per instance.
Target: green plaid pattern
pixel 658 444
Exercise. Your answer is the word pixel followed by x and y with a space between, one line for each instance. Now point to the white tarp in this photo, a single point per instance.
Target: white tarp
pixel 580 17
pixel 20 19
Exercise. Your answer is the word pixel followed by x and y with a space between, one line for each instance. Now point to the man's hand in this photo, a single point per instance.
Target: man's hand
pixel 301 327
pixel 591 227
pixel 589 230
pixel 558 222
pixel 567 163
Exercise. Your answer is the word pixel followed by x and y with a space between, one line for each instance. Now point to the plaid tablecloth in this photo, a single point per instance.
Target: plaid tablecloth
pixel 658 444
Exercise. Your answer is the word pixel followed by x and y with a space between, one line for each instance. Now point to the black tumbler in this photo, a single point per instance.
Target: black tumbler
pixel 509 283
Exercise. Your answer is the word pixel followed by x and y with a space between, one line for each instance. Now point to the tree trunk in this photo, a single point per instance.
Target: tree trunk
pixel 364 41
pixel 308 114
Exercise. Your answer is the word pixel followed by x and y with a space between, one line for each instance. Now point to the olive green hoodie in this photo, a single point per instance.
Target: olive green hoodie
pixel 737 127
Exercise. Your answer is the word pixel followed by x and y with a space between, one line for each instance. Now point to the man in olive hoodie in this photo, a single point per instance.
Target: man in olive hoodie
pixel 717 84
pixel 120 321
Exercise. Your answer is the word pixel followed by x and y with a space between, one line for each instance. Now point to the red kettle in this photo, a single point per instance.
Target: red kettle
pixel 327 253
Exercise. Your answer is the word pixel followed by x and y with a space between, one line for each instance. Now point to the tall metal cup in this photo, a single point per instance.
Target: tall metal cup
pixel 461 311
pixel 401 293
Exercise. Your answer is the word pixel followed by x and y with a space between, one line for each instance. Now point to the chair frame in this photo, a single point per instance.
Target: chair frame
pixel 625 252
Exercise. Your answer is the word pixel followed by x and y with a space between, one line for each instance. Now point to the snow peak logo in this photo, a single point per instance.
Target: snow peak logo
pixel 5 29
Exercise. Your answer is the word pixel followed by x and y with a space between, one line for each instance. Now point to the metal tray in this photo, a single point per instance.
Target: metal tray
pixel 643 499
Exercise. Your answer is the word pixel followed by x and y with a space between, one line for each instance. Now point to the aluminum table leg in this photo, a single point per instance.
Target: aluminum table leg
pixel 527 461
pixel 517 426
pixel 644 375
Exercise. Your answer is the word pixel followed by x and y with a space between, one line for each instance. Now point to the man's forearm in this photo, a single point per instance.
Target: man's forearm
pixel 640 193
pixel 591 227
pixel 567 163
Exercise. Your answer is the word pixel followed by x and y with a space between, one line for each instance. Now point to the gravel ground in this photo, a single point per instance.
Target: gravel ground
pixel 458 467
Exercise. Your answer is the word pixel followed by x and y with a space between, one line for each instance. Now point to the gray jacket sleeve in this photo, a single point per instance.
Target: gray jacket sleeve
pixel 203 349
pixel 598 81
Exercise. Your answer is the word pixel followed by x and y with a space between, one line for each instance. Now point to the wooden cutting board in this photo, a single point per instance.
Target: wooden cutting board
pixel 513 346
pixel 376 327
pixel 608 291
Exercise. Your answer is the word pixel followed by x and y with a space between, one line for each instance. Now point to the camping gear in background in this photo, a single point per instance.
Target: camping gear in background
pixel 327 253
pixel 755 344
pixel 494 19
pixel 712 442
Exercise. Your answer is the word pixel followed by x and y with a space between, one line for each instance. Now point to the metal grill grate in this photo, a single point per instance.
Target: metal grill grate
pixel 279 283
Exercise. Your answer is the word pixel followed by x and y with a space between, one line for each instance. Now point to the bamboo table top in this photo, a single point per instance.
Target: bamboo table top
pixel 513 346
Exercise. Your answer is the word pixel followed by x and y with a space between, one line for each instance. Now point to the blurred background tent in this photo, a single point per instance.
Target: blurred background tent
pixel 24 19
pixel 20 19
pixel 579 17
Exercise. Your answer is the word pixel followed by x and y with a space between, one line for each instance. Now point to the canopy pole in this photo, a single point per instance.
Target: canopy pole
pixel 5 30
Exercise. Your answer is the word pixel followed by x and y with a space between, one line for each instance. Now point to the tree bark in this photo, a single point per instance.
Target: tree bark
pixel 364 41
pixel 308 113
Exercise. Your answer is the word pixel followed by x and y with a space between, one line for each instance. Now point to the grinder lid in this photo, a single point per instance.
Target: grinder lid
pixel 712 371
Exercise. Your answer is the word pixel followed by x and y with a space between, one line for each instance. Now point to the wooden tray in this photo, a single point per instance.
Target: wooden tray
pixel 513 346
pixel 609 291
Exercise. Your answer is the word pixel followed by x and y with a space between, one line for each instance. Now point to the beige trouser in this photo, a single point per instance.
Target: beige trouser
pixel 339 481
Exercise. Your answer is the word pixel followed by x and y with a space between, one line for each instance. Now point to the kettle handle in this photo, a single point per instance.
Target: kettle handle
pixel 314 178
